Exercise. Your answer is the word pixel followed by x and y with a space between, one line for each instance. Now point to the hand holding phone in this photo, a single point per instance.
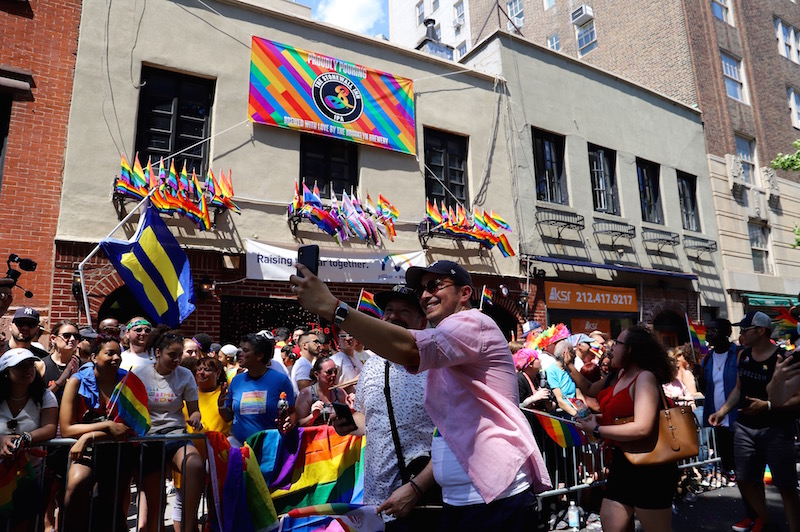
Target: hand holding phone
pixel 343 412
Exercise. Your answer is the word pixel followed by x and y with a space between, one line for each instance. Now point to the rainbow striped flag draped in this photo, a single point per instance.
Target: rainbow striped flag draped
pixel 350 517
pixel 366 303
pixel 697 333
pixel 563 432
pixel 13 472
pixel 247 502
pixel 130 396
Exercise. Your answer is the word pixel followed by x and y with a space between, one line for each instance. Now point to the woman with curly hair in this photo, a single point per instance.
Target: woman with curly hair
pixel 633 394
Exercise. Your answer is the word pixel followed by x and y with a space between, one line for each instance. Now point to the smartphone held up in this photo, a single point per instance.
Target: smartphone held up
pixel 308 256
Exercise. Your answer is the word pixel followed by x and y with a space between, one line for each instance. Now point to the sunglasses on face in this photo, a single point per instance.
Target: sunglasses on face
pixel 26 323
pixel 141 330
pixel 111 330
pixel 332 371
pixel 345 337
pixel 70 336
pixel 433 286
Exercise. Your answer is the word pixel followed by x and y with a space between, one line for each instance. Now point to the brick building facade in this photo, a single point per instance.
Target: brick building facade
pixel 38 45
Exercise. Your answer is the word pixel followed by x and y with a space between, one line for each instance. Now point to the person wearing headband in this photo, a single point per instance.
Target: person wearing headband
pixel 137 354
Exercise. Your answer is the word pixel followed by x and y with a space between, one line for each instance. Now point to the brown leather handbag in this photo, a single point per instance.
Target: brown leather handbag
pixel 674 439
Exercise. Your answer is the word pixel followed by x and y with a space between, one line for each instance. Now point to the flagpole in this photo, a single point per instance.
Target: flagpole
pixel 483 293
pixel 360 295
pixel 97 248
pixel 689 329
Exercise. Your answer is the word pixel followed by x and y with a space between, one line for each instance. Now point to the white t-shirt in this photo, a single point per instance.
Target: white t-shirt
pixel 28 419
pixel 718 377
pixel 166 395
pixel 301 371
pixel 131 360
pixel 349 367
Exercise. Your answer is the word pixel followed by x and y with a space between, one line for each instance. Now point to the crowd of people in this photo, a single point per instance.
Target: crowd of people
pixel 445 402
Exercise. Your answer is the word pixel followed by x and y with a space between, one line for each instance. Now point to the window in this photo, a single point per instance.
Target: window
pixel 759 244
pixel 649 194
pixel 602 168
pixel 587 38
pixel 548 4
pixel 461 50
pixel 548 157
pixel 326 161
pixel 746 151
pixel 174 114
pixel 5 123
pixel 420 13
pixel 794 105
pixel 734 78
pixel 687 193
pixel 553 43
pixel 446 166
pixel 722 10
pixel 515 14
pixel 438 30
pixel 434 6
pixel 458 10
pixel 788 40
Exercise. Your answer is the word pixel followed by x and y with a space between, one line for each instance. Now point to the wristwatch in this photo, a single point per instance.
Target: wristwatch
pixel 596 432
pixel 26 439
pixel 341 313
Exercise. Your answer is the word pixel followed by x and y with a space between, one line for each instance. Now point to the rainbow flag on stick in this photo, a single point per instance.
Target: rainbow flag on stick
pixel 366 303
pixel 130 397
pixel 486 296
pixel 697 333
pixel 563 432
pixel 351 517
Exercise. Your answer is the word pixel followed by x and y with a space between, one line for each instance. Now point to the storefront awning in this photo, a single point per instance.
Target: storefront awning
pixel 767 300
pixel 628 269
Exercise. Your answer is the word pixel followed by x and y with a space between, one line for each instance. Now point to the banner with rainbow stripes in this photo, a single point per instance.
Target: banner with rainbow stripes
pixel 301 90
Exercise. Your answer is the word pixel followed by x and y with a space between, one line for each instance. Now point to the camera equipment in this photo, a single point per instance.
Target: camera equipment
pixel 25 265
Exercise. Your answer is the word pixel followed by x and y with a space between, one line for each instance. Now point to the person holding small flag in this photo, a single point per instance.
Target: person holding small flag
pixel 89 414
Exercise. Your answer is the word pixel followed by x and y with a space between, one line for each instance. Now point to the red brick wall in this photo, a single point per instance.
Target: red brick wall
pixel 43 40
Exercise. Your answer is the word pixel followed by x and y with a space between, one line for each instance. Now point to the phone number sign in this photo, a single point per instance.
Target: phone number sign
pixel 590 297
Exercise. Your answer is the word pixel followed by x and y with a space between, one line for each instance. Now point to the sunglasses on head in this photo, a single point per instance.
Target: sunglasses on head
pixel 433 286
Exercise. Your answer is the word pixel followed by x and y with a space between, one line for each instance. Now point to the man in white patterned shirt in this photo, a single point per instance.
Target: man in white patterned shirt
pixel 415 429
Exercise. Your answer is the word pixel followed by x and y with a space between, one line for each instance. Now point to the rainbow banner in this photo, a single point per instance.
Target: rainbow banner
pixel 301 90
pixel 563 432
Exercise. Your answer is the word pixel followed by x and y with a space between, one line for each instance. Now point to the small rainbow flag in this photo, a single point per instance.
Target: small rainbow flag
pixel 322 218
pixel 366 303
pixel 386 208
pixel 351 517
pixel 130 397
pixel 563 432
pixel 784 322
pixel 697 333
pixel 505 247
pixel 499 221
pixel 486 297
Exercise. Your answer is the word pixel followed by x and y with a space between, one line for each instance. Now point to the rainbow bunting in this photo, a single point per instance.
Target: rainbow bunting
pixel 563 432
pixel 130 396
pixel 366 303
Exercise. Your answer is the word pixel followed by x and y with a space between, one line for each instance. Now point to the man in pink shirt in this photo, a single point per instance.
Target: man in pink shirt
pixel 483 454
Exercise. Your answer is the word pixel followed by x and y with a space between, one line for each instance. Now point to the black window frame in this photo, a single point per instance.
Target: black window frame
pixel 549 164
pixel 5 126
pixel 451 169
pixel 603 173
pixel 188 119
pixel 328 161
pixel 649 177
pixel 687 195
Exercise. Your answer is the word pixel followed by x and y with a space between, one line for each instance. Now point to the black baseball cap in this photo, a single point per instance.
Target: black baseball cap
pixel 26 313
pixel 399 291
pixel 440 267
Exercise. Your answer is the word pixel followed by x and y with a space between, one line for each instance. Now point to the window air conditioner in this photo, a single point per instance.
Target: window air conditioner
pixel 515 23
pixel 582 15
pixel 457 22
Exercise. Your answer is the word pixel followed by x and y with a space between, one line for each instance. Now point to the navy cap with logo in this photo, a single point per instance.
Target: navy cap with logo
pixel 440 267
pixel 755 318
pixel 399 291
pixel 26 313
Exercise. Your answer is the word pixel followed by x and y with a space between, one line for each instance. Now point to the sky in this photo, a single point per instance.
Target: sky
pixel 363 16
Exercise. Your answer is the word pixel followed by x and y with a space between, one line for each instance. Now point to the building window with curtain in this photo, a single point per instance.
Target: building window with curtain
pixel 548 158
pixel 174 114
pixel 445 168
pixel 759 244
pixel 602 168
pixel 328 162
pixel 649 193
pixel 746 151
pixel 687 194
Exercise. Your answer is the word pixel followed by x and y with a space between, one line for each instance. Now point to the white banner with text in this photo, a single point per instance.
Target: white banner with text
pixel 268 262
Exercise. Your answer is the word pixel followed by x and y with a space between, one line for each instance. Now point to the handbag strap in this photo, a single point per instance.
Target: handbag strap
pixel 401 463
pixel 530 382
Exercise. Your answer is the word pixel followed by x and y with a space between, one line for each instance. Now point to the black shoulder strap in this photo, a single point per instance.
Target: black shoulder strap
pixel 401 463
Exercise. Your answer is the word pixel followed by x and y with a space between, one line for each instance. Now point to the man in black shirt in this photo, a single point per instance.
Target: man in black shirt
pixel 764 433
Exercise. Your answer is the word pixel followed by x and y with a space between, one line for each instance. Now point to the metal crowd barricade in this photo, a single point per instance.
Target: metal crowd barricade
pixel 136 477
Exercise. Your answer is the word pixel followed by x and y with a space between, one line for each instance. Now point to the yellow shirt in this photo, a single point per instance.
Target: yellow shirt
pixel 209 412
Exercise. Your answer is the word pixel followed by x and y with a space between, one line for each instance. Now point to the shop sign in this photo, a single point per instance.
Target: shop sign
pixel 267 262
pixel 587 325
pixel 590 297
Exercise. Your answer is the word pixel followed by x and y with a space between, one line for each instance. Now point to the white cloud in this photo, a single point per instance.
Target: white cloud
pixel 361 16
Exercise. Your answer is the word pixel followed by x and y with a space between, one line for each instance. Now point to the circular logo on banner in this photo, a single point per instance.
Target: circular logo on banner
pixel 337 97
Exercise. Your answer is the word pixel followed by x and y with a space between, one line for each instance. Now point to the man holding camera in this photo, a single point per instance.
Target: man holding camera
pixel 25 329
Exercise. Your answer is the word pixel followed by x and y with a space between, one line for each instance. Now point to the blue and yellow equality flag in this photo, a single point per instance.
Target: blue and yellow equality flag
pixel 155 269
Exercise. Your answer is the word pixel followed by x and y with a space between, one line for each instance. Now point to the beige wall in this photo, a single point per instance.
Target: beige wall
pixel 264 160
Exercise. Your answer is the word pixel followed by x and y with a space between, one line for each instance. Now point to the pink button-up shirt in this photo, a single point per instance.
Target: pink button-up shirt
pixel 473 399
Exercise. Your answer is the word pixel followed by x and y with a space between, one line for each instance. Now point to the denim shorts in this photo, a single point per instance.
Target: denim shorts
pixel 754 449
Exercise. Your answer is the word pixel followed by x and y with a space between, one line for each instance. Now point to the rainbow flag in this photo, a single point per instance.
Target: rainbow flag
pixel 433 212
pixel 13 472
pixel 130 397
pixel 784 322
pixel 183 182
pixel 563 432
pixel 321 218
pixel 698 334
pixel 247 504
pixel 498 220
pixel 366 303
pixel 505 247
pixel 387 210
pixel 350 517
pixel 487 295
pixel 216 191
pixel 137 177
pixel 172 178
